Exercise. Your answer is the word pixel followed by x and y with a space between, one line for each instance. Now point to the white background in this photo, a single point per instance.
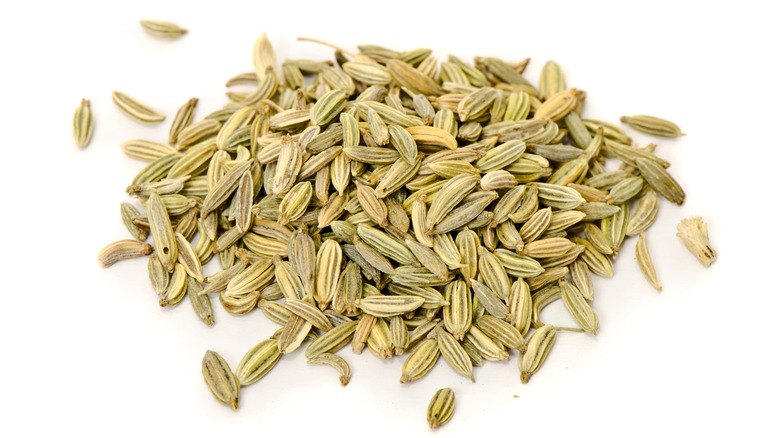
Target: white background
pixel 87 350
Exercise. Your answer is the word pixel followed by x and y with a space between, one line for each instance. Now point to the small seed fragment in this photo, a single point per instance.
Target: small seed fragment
pixel 693 232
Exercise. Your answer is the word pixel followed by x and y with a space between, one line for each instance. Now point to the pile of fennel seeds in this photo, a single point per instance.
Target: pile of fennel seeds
pixel 392 201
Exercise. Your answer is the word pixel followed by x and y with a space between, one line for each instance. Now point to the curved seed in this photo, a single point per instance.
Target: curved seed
pixel 128 212
pixel 239 305
pixel 123 250
pixel 597 210
pixel 136 110
pixel 644 261
pixel 561 220
pixel 177 287
pixel 336 362
pixel 549 275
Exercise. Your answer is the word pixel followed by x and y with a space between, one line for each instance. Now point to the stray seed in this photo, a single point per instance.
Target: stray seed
pixel 645 264
pixel 693 232
pixel 220 379
pixel 83 124
pixel 122 250
pixel 162 29
pixel 136 110
pixel 652 125
pixel 441 407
